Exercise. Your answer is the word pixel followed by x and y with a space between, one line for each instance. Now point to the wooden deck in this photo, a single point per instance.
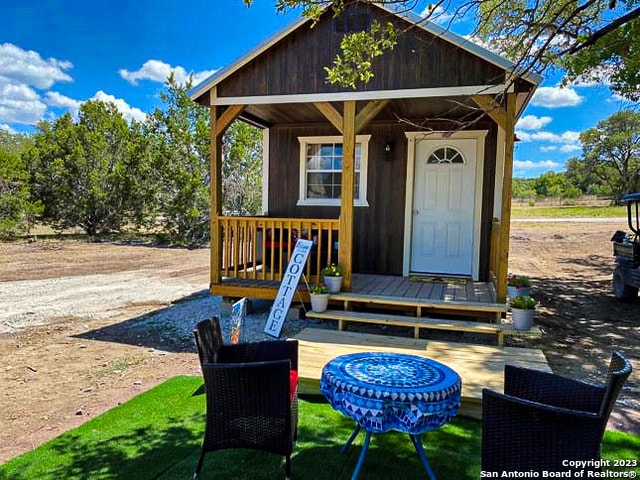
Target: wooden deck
pixel 479 366
pixel 389 286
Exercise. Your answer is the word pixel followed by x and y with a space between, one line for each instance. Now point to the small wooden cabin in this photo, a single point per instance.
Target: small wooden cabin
pixel 409 174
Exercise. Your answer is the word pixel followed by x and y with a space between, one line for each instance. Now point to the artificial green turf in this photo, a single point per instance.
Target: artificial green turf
pixel 157 435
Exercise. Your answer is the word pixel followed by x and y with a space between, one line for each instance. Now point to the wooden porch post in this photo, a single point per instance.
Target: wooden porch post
pixel 215 187
pixel 507 183
pixel 346 204
pixel 219 122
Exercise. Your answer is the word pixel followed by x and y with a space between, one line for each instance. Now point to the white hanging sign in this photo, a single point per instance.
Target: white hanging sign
pixel 288 287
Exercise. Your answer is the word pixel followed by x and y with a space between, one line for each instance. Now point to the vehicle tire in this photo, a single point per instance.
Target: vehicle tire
pixel 623 292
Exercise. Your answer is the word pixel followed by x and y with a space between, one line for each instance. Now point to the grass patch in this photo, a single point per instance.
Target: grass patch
pixel 157 435
pixel 568 211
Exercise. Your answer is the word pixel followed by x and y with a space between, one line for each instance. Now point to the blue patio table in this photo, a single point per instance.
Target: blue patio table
pixel 385 391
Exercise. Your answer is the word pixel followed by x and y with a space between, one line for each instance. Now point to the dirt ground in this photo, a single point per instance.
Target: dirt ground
pixel 57 372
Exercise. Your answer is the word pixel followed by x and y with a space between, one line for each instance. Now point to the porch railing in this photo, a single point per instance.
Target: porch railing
pixel 259 248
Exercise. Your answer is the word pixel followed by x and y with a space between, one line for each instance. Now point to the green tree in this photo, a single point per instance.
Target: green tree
pixel 17 211
pixel 84 172
pixel 179 141
pixel 549 184
pixel 611 152
pixel 613 59
pixel 523 189
pixel 14 142
pixel 242 170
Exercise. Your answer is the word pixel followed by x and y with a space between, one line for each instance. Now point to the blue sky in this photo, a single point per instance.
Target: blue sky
pixel 56 54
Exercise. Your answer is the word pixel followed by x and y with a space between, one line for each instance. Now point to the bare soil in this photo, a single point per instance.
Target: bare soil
pixel 70 346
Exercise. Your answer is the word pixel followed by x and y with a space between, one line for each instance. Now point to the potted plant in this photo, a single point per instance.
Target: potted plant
pixel 518 285
pixel 332 275
pixel 523 308
pixel 319 298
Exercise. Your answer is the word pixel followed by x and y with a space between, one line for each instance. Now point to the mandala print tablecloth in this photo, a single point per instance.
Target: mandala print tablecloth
pixel 388 391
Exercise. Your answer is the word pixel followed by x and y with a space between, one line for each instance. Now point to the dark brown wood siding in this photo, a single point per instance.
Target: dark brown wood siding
pixel 295 65
pixel 379 228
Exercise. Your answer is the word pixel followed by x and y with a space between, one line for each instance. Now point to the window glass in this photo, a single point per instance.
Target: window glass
pixel 321 175
pixel 446 155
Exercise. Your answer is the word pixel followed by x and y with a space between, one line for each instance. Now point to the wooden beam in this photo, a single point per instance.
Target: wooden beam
pixel 489 105
pixel 215 186
pixel 507 181
pixel 228 116
pixel 369 112
pixel 345 249
pixel 330 114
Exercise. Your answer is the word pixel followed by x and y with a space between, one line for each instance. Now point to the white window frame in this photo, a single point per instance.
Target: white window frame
pixel 363 140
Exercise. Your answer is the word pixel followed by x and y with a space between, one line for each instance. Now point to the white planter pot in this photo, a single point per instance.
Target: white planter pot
pixel 333 283
pixel 319 302
pixel 514 292
pixel 522 319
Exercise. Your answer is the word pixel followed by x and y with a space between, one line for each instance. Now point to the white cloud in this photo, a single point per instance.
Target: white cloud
pixel 530 165
pixel 570 148
pixel 20 104
pixel 437 15
pixel 56 99
pixel 566 142
pixel 128 112
pixel 568 137
pixel 531 122
pixel 556 97
pixel 158 71
pixel 6 128
pixel 29 68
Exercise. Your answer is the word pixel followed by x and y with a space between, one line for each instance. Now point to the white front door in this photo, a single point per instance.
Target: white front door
pixel 443 215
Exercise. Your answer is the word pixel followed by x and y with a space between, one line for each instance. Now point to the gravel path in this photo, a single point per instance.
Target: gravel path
pixel 173 305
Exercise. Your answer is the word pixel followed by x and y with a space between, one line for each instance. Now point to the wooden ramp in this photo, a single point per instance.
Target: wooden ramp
pixel 479 366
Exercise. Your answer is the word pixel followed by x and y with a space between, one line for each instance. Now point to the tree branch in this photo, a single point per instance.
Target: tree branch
pixel 597 35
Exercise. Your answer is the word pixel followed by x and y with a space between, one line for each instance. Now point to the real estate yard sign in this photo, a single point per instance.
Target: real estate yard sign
pixel 287 288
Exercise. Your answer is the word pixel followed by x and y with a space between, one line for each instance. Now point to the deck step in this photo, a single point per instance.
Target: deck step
pixel 501 330
pixel 421 304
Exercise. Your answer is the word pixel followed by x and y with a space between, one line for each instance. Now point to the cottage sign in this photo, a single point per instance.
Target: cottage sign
pixel 287 288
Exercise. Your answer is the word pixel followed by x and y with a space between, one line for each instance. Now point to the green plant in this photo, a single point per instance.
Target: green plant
pixel 332 270
pixel 518 281
pixel 524 302
pixel 319 289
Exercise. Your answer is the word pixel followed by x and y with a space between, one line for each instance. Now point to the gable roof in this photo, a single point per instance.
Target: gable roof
pixel 428 26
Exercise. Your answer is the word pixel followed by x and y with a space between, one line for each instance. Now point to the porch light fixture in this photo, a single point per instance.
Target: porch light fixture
pixel 388 150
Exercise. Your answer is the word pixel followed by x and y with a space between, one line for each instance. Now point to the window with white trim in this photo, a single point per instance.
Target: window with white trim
pixel 321 170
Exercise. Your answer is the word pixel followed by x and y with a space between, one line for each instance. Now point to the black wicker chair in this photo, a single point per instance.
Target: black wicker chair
pixel 543 419
pixel 249 399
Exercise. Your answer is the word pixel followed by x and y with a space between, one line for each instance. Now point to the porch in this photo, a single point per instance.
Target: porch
pixel 252 253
